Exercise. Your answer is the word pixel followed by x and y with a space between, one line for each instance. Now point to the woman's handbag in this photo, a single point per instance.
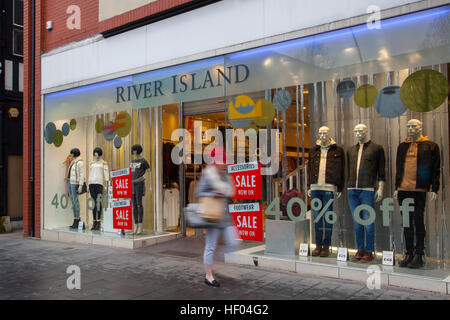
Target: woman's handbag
pixel 193 219
pixel 83 189
pixel 211 209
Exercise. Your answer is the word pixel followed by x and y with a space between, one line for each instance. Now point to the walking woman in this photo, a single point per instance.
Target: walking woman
pixel 216 182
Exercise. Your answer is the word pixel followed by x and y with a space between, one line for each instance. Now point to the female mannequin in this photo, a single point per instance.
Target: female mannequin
pixel 98 176
pixel 76 180
pixel 138 166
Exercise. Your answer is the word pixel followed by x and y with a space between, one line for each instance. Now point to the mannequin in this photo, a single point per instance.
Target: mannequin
pixel 76 179
pixel 325 182
pixel 98 176
pixel 138 166
pixel 418 172
pixel 366 166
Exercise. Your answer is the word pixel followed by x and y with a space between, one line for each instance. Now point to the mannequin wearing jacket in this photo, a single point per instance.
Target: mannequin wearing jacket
pixel 76 180
pixel 418 171
pixel 139 167
pixel 98 176
pixel 366 167
pixel 325 182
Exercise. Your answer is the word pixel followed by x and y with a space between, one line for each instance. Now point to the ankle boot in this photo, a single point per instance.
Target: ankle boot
pixel 358 256
pixel 368 257
pixel 316 251
pixel 416 262
pixel 98 225
pixel 407 258
pixel 74 224
pixel 94 225
pixel 139 229
pixel 325 252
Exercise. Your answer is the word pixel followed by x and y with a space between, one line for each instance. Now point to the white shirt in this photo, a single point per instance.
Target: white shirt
pixel 98 172
pixel 321 185
pixel 77 171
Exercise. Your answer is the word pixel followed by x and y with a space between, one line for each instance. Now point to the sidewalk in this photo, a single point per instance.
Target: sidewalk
pixel 36 269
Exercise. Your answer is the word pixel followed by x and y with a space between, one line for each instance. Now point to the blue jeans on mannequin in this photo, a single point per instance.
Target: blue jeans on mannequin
pixel 73 192
pixel 323 233
pixel 365 235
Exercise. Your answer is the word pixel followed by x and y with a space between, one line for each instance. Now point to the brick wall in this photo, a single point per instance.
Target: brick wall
pixel 48 40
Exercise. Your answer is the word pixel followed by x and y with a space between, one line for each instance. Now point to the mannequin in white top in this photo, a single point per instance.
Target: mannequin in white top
pixel 98 178
pixel 76 181
pixel 326 169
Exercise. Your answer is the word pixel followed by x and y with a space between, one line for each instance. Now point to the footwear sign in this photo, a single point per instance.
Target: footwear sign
pixel 247 180
pixel 388 258
pixel 121 183
pixel 122 214
pixel 247 217
pixel 342 254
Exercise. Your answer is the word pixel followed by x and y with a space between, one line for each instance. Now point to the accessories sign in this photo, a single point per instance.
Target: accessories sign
pixel 121 182
pixel 247 180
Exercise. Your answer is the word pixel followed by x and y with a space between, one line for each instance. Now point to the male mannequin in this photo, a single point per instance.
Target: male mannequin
pixel 98 176
pixel 138 168
pixel 76 180
pixel 366 166
pixel 418 171
pixel 325 182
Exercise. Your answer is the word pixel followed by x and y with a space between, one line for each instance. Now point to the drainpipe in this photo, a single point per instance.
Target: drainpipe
pixel 33 46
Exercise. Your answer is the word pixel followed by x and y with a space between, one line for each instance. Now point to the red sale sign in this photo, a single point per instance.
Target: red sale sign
pixel 248 219
pixel 122 215
pixel 121 183
pixel 247 180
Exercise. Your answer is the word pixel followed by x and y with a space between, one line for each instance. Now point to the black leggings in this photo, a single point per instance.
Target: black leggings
pixel 416 222
pixel 96 191
pixel 138 209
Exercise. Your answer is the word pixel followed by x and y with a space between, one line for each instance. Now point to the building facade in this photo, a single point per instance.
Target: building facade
pixel 171 75
pixel 11 111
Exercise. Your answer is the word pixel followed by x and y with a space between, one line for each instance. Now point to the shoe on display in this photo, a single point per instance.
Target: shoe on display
pixel 416 262
pixel 98 225
pixel 94 226
pixel 325 252
pixel 368 257
pixel 358 256
pixel 139 229
pixel 135 228
pixel 316 251
pixel 406 260
pixel 74 224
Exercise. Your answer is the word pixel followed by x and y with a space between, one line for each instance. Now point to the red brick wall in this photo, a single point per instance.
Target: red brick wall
pixel 46 40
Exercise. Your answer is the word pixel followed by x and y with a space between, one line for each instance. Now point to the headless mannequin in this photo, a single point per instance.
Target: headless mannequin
pixel 414 132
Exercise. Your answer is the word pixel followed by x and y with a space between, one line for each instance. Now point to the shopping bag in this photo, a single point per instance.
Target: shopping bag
pixel 211 209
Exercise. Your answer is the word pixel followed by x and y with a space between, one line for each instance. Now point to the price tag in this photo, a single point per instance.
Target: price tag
pixel 388 258
pixel 304 250
pixel 80 226
pixel 342 254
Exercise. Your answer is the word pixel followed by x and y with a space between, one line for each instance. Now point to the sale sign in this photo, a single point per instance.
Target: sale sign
pixel 248 219
pixel 247 180
pixel 122 215
pixel 121 183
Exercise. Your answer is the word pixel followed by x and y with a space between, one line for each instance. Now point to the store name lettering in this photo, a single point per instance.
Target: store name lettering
pixel 183 83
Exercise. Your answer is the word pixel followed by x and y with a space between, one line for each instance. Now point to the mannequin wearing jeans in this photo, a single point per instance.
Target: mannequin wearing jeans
pixel 326 180
pixel 139 167
pixel 418 171
pixel 76 180
pixel 98 176
pixel 366 166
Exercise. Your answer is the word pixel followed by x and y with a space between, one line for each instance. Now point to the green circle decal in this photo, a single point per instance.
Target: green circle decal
pixel 58 138
pixel 365 95
pixel 99 125
pixel 73 124
pixel 123 124
pixel 424 90
pixel 268 113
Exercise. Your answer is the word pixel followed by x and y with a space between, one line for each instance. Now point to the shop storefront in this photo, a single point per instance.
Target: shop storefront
pixel 273 102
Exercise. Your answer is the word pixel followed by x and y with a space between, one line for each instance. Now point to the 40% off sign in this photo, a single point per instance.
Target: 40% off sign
pixel 316 204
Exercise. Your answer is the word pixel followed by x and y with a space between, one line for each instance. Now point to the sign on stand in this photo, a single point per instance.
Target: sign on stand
pixel 121 183
pixel 247 217
pixel 388 258
pixel 304 250
pixel 247 180
pixel 342 254
pixel 122 215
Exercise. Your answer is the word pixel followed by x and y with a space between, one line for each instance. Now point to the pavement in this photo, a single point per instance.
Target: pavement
pixel 36 270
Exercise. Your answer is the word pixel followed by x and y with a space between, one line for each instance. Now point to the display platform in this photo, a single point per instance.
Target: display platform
pixel 108 239
pixel 432 277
